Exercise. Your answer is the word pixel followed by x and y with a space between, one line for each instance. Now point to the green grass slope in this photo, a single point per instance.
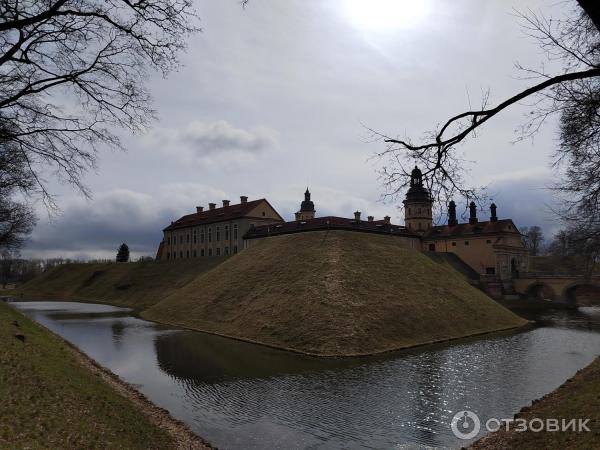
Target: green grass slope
pixel 137 285
pixel 49 400
pixel 333 293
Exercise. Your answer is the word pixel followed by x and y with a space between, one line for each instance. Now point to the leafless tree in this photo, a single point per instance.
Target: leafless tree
pixel 573 94
pixel 533 237
pixel 16 218
pixel 74 71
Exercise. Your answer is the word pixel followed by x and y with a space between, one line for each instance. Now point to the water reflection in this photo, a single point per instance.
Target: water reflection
pixel 240 395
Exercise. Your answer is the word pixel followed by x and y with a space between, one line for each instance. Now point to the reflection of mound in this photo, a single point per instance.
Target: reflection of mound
pixel 201 357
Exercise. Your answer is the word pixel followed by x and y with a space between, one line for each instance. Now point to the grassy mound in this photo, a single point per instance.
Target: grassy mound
pixel 333 293
pixel 136 285
pixel 49 400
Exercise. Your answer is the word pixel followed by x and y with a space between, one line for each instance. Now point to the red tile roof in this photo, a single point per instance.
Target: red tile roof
pixel 466 229
pixel 327 223
pixel 222 214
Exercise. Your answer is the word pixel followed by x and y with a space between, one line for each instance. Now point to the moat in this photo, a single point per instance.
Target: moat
pixel 243 396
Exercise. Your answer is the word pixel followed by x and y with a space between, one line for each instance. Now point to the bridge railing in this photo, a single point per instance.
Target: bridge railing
pixel 554 275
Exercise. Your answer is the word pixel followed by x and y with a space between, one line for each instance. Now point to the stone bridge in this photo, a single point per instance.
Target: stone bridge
pixel 556 288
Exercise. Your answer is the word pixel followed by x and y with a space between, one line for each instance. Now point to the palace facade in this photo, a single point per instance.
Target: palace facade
pixel 491 248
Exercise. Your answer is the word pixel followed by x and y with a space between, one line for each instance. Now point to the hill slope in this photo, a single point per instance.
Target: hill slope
pixel 137 285
pixel 333 293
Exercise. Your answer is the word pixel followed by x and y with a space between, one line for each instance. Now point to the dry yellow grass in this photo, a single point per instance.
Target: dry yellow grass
pixel 333 293
pixel 136 285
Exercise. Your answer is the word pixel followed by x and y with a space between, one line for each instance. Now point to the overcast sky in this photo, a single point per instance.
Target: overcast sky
pixel 274 98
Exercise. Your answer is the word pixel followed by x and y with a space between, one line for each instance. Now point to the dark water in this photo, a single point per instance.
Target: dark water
pixel 243 396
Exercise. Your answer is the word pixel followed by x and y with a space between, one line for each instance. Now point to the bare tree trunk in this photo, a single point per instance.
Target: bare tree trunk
pixel 592 9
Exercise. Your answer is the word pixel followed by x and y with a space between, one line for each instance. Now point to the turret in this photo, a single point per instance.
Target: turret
pixel 472 213
pixel 493 216
pixel 452 222
pixel 418 204
pixel 307 208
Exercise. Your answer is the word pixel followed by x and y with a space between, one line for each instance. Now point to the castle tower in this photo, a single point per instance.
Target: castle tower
pixel 307 208
pixel 417 206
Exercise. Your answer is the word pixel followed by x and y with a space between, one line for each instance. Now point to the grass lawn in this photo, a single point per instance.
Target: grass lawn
pixel 137 285
pixel 333 293
pixel 578 398
pixel 49 400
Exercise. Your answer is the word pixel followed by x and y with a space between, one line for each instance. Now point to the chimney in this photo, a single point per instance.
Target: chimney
pixel 370 218
pixel 225 203
pixel 357 216
pixel 243 199
pixel 472 213
pixel 386 219
pixel 493 217
pixel 199 209
pixel 212 206
pixel 452 222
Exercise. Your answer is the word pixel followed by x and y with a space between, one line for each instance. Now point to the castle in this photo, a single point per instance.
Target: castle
pixel 493 247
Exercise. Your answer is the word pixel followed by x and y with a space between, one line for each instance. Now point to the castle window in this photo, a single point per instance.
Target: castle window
pixel 209 235
pixel 226 232
pixel 187 254
pixel 180 254
pixel 226 250
pixel 235 249
pixel 418 210
pixel 194 253
pixel 466 242
pixel 168 255
pixel 195 236
pixel 419 226
pixel 202 236
pixel 169 240
pixel 454 244
pixel 409 211
pixel 181 238
pixel 174 255
pixel 235 229
pixel 201 252
pixel 218 251
pixel 187 238
pixel 489 241
pixel 218 234
pixel 490 270
pixel 210 252
pixel 432 247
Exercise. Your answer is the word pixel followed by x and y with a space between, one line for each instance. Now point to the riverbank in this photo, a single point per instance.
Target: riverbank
pixel 577 398
pixel 54 396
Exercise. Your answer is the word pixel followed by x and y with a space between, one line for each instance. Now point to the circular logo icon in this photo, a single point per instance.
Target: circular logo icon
pixel 465 425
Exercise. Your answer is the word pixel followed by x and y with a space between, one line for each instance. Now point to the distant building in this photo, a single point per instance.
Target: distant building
pixel 307 208
pixel 493 248
pixel 216 231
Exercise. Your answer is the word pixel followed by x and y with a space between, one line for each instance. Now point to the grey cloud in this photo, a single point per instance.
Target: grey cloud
pixel 213 142
pixel 96 228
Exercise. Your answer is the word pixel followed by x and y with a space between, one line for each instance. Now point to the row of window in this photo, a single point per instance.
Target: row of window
pixel 418 211
pixel 209 235
pixel 194 253
pixel 432 246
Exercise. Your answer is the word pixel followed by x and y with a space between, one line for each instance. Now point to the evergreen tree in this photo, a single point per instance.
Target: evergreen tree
pixel 123 253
